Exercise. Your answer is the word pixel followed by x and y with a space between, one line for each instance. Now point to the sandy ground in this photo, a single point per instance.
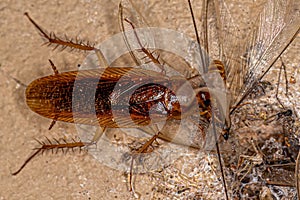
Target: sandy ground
pixel 58 176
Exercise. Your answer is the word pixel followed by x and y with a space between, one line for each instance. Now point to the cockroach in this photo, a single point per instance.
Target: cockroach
pixel 52 96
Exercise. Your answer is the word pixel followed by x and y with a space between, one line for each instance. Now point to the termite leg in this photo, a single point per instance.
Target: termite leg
pixel 285 113
pixel 282 67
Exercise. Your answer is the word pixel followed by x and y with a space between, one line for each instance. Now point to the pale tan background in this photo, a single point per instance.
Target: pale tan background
pixel 74 175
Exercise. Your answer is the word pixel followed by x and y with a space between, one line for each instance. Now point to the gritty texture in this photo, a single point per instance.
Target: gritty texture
pixel 74 175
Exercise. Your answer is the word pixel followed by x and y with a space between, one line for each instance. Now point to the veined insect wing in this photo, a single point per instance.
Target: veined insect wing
pixel 276 27
pixel 270 35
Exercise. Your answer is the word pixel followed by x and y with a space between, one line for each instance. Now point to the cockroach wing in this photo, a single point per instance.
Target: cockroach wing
pixel 111 97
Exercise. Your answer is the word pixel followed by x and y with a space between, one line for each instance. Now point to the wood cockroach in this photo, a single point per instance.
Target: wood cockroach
pixel 52 96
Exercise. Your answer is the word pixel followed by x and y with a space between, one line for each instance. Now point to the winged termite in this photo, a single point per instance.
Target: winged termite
pixel 241 75
pixel 271 12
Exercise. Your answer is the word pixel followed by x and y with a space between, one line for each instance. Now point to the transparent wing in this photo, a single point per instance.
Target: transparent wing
pixel 276 27
pixel 222 39
pixel 248 57
pixel 230 46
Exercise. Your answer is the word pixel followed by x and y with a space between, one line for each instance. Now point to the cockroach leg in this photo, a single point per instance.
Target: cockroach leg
pixel 148 53
pixel 137 153
pixel 53 122
pixel 49 145
pixel 53 67
pixel 27 161
pixel 64 43
pixel 145 148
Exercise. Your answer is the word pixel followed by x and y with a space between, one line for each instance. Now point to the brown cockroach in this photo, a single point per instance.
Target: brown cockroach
pixel 52 96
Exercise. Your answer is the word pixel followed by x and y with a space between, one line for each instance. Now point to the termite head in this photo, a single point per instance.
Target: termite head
pixel 225 132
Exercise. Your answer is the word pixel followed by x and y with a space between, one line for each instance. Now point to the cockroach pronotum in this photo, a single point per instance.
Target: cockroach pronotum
pixel 132 97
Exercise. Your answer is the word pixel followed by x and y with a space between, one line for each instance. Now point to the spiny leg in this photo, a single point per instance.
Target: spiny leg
pixel 137 153
pixel 147 53
pixel 55 144
pixel 145 148
pixel 68 43
pixel 49 145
